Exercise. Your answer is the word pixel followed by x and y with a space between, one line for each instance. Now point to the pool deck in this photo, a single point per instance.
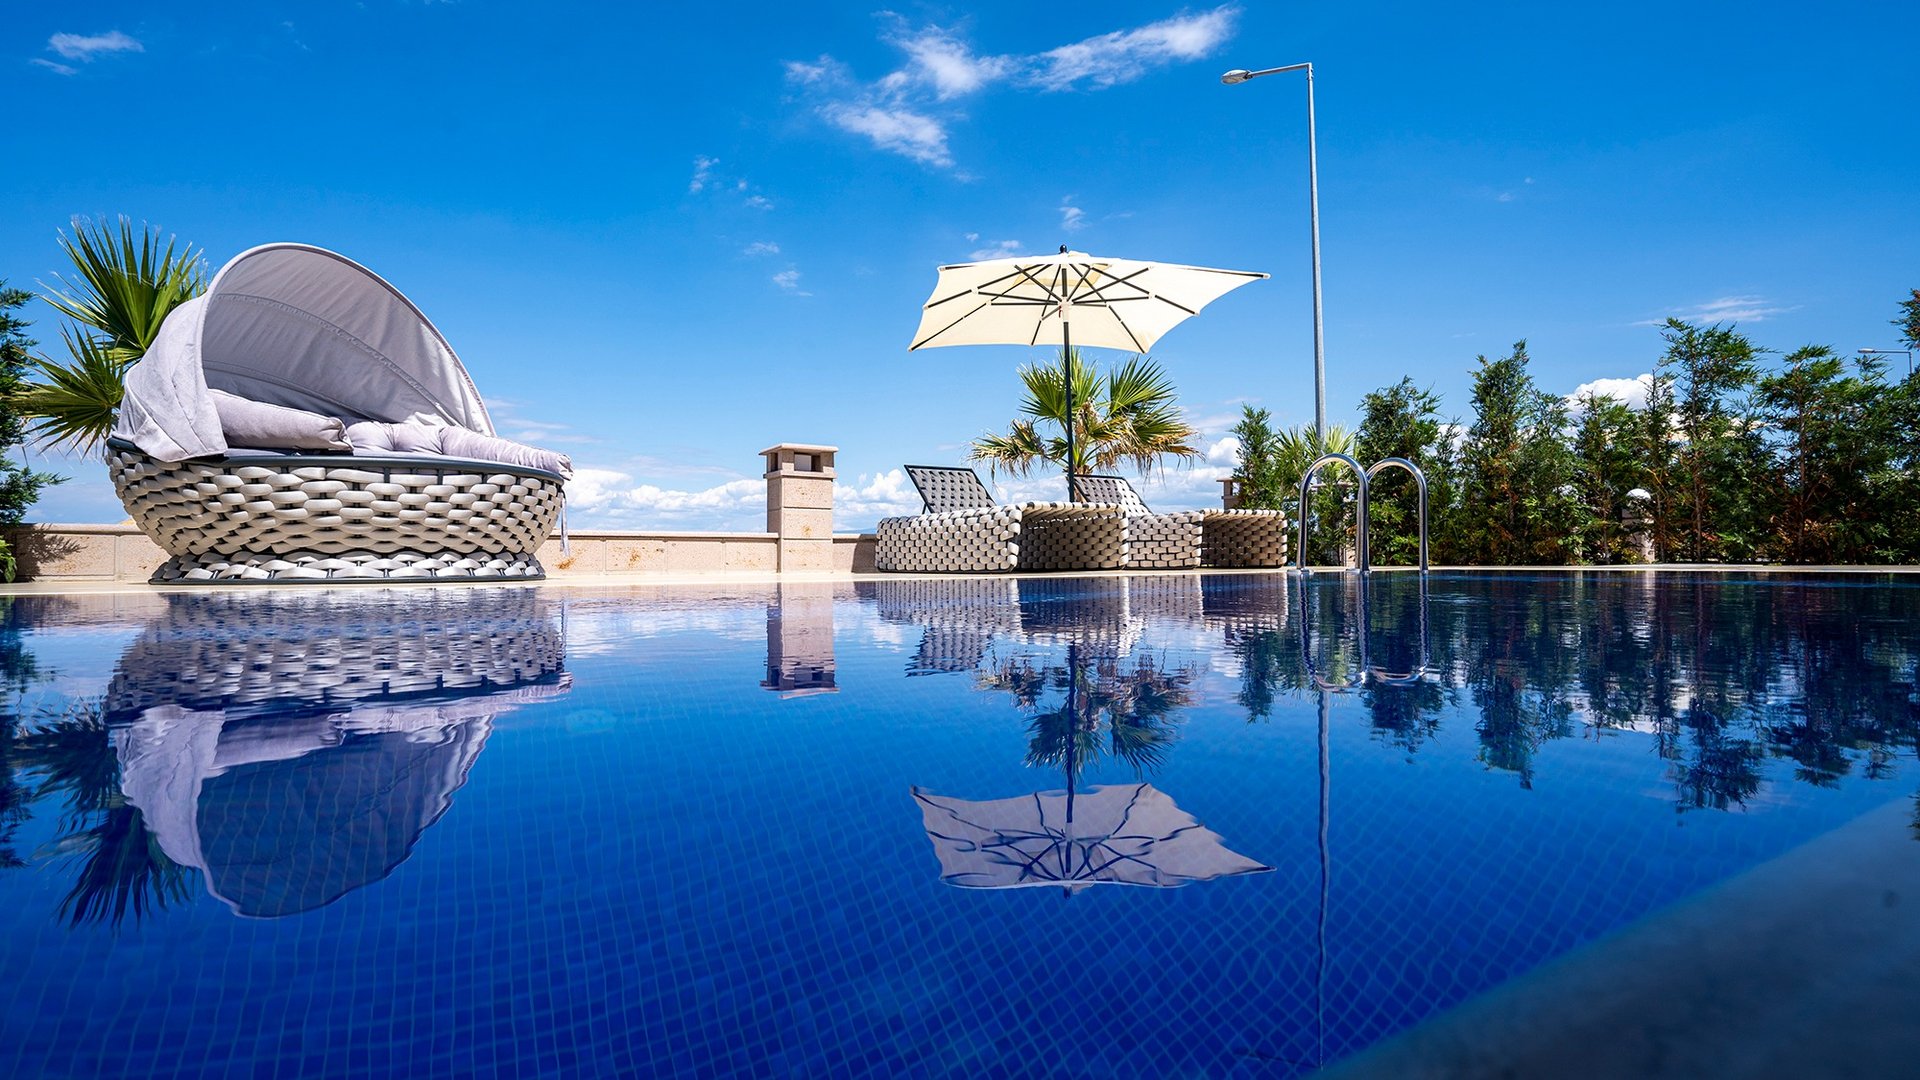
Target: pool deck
pixel 1805 966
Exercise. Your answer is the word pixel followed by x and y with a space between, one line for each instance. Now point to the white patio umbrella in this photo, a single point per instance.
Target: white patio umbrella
pixel 1121 834
pixel 1067 298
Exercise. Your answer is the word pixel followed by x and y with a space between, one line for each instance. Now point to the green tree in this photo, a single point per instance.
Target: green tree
pixel 124 285
pixel 1836 470
pixel 1658 460
pixel 1401 421
pixel 1713 509
pixel 1128 415
pixel 1606 467
pixel 19 485
pixel 1909 321
pixel 1517 499
pixel 1257 461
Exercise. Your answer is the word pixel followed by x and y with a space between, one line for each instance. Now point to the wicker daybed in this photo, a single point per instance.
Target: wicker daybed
pixel 290 330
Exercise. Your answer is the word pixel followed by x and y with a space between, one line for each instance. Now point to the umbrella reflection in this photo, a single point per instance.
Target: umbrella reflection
pixel 1119 834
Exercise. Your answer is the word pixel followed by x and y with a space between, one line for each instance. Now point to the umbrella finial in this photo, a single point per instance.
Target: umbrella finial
pixel 1063 249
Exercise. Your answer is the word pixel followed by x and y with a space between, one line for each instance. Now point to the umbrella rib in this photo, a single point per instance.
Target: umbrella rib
pixel 944 329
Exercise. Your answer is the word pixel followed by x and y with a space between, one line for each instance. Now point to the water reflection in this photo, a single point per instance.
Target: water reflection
pixel 289 747
pixel 1105 697
pixel 1726 672
pixel 800 639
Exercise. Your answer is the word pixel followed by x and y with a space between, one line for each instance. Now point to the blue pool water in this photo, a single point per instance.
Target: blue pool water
pixel 544 831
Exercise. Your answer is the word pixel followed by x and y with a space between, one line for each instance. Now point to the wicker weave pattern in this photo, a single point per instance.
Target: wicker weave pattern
pixel 1244 538
pixel 335 649
pixel 958 541
pixel 1071 536
pixel 1164 541
pixel 1224 538
pixel 1037 536
pixel 944 488
pixel 1154 541
pixel 260 519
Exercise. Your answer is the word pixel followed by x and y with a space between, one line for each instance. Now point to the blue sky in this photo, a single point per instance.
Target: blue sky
pixel 666 236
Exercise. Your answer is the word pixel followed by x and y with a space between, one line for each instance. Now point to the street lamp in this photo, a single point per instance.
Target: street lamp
pixel 1908 353
pixel 1240 75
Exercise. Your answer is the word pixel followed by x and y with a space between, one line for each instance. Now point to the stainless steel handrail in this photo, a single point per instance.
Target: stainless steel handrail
pixel 1420 482
pixel 1306 508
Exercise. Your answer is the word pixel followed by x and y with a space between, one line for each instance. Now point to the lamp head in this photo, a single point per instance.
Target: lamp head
pixel 1237 75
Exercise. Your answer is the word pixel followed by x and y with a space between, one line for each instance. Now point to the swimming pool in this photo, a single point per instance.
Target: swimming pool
pixel 821 828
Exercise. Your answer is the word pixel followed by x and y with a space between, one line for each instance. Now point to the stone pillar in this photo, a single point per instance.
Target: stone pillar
pixel 1229 493
pixel 800 639
pixel 800 505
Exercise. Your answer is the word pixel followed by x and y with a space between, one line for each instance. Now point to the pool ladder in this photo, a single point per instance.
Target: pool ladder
pixel 1364 562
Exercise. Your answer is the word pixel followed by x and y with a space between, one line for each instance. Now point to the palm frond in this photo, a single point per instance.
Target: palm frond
pixel 72 405
pixel 124 285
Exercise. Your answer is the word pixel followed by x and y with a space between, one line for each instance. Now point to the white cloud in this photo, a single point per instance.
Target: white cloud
pixel 85 47
pixel 610 498
pixel 57 69
pixel 1744 308
pixel 1125 55
pixel 995 249
pixel 759 202
pixel 1505 196
pixel 1072 218
pixel 948 64
pixel 897 129
pixel 1631 392
pixel 702 173
pixel 762 247
pixel 789 281
pixel 872 496
pixel 1226 451
pixel 908 110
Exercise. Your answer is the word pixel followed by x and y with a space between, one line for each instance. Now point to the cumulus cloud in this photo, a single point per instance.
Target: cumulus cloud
pixel 789 281
pixel 1072 218
pixel 859 505
pixel 909 111
pixel 610 498
pixel 1226 451
pixel 1744 308
pixel 1630 392
pixel 86 47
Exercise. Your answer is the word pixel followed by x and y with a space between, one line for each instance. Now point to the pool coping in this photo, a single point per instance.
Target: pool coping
pixel 603 579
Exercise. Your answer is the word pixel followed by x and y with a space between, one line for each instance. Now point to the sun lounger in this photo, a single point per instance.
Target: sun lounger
pixel 1219 538
pixel 963 531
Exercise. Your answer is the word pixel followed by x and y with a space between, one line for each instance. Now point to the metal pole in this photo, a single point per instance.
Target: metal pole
pixel 1240 75
pixel 1313 214
pixel 1066 366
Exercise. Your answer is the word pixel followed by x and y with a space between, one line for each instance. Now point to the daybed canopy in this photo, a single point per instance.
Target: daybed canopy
pixel 300 326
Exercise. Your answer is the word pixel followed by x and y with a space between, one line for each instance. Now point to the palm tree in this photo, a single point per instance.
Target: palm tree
pixel 124 286
pixel 1129 415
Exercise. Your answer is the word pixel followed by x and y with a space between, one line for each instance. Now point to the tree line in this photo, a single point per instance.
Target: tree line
pixel 1730 458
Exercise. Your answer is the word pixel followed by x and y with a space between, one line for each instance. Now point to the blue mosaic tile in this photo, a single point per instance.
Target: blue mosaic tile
pixel 653 831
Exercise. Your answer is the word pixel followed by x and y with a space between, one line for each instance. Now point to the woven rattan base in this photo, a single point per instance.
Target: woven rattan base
pixel 347 566
pixel 318 519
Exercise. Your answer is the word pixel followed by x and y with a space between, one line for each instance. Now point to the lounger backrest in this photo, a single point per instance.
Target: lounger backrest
pixel 1112 491
pixel 944 488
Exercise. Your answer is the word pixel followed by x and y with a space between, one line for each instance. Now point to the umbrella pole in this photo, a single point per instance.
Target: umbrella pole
pixel 1066 367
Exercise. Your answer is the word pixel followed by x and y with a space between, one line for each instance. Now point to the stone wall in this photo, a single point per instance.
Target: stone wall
pixel 123 553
